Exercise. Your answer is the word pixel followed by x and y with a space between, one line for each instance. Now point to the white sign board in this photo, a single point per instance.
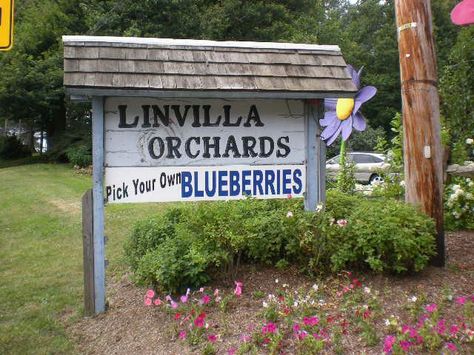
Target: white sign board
pixel 188 150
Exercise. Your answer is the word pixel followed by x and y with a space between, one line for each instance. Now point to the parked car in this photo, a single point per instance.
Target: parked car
pixel 367 166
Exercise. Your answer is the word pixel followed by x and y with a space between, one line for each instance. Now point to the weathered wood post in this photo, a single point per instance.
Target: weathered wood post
pixel 88 252
pixel 315 155
pixel 98 201
pixel 421 125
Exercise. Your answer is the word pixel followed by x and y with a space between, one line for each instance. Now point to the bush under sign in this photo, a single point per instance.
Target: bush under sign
pixel 187 150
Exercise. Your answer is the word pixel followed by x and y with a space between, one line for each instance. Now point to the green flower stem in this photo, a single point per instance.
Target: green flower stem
pixel 342 154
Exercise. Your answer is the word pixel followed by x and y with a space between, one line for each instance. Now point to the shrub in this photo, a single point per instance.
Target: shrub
pixel 148 234
pixel 385 235
pixel 459 204
pixel 12 148
pixel 79 155
pixel 186 245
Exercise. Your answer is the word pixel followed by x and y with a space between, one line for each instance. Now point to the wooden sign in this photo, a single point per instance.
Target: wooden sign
pixel 188 150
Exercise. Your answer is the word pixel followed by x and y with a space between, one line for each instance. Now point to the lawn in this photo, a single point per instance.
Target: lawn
pixel 41 254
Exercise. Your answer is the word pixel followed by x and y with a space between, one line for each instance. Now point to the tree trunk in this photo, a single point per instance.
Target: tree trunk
pixel 423 155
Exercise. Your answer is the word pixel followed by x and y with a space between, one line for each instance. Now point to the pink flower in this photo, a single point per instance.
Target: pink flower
pixel 405 345
pixel 451 346
pixel 148 301
pixel 231 351
pixel 245 338
pixel 341 222
pixel 157 302
pixel 182 335
pixel 185 297
pixel 212 338
pixel 453 330
pixel 388 343
pixel 177 316
pixel 201 289
pixel 296 328
pixel 216 292
pixel 432 307
pixel 238 288
pixel 441 327
pixel 199 321
pixel 205 299
pixel 311 321
pixel 150 293
pixel 289 196
pixel 174 305
pixel 460 300
pixel 269 328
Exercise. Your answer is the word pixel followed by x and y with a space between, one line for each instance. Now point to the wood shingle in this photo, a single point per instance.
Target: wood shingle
pixel 114 64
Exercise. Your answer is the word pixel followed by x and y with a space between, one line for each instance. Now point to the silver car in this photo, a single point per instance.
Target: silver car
pixel 367 166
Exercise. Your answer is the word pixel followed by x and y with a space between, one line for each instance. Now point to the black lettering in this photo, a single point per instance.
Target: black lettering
pixel 163 180
pixel 281 145
pixel 151 147
pixel 249 146
pixel 207 117
pixel 208 146
pixel 196 122
pixel 173 144
pixel 231 146
pixel 123 118
pixel 227 122
pixel 146 116
pixel 164 116
pixel 253 115
pixel 263 152
pixel 181 118
pixel 187 147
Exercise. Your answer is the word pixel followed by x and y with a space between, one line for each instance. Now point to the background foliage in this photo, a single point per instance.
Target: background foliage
pixel 32 90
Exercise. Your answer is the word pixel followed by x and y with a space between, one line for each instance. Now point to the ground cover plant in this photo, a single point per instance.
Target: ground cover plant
pixel 314 319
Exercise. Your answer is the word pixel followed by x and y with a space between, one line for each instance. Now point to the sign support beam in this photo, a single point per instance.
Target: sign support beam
pixel 315 156
pixel 98 201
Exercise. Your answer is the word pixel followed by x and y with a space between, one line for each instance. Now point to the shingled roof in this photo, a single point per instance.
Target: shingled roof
pixel 198 68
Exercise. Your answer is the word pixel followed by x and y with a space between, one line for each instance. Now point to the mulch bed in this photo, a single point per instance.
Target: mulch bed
pixel 129 327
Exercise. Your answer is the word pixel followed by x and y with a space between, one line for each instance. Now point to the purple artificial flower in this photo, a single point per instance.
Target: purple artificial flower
pixel 341 115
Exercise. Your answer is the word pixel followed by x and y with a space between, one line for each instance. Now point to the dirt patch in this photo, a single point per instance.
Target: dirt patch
pixel 71 207
pixel 129 327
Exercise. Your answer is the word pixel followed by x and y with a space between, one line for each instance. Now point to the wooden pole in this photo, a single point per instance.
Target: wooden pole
pixel 421 125
pixel 88 252
pixel 315 155
pixel 98 198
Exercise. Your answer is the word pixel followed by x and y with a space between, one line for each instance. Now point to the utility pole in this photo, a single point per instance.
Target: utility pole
pixel 421 126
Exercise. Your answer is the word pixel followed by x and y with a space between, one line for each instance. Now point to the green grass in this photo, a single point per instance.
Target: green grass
pixel 41 287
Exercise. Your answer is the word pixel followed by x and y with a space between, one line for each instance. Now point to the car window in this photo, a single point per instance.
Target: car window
pixel 377 159
pixel 362 158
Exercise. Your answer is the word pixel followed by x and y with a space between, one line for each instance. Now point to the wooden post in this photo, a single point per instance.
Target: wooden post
pixel 315 156
pixel 88 252
pixel 98 201
pixel 421 125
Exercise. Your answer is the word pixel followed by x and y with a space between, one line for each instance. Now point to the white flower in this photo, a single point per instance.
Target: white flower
pixel 469 196
pixel 366 290
pixel 265 304
pixel 295 304
pixel 413 299
pixel 387 322
pixel 319 208
pixel 285 285
pixel 469 141
pixel 402 183
pixel 341 222
pixel 322 302
pixel 315 287
pixel 289 214
pixel 276 281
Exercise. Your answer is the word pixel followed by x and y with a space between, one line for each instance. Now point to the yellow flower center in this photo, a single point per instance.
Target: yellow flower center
pixel 344 108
